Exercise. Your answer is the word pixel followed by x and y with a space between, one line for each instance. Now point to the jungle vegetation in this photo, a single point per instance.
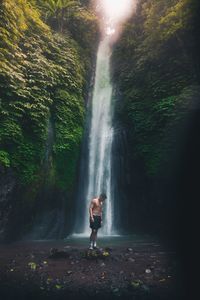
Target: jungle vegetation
pixel 46 57
pixel 156 73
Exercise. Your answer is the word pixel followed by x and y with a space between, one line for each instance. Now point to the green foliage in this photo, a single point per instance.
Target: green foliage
pixel 26 159
pixel 72 18
pixel 42 77
pixel 68 117
pixel 56 8
pixel 4 159
pixel 168 18
pixel 59 13
pixel 154 69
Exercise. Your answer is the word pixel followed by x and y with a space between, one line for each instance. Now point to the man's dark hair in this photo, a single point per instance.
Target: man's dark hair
pixel 103 196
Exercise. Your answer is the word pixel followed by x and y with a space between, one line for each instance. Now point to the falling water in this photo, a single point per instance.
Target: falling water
pixel 96 168
pixel 101 135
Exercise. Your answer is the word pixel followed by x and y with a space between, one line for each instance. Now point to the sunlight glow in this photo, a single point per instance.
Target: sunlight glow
pixel 116 9
pixel 110 31
pixel 113 13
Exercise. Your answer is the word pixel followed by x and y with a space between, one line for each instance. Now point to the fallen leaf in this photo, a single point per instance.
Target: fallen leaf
pixel 58 286
pixel 32 265
pixel 136 283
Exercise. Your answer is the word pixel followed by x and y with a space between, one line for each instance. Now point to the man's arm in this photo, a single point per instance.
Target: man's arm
pixel 90 210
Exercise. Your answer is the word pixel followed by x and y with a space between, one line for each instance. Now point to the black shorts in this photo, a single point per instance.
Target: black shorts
pixel 97 222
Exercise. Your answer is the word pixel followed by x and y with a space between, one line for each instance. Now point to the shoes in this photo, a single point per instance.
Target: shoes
pixel 91 248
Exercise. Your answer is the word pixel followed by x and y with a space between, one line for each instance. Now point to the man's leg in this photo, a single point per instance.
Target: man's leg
pixel 92 237
pixel 95 238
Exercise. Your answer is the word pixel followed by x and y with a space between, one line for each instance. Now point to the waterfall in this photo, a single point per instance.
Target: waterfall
pixel 100 144
pixel 96 170
pixel 101 136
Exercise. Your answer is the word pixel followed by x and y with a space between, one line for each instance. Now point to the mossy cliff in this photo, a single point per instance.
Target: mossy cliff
pixel 155 67
pixel 44 79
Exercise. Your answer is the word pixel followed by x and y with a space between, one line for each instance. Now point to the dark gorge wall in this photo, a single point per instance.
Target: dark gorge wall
pixel 155 70
pixel 45 72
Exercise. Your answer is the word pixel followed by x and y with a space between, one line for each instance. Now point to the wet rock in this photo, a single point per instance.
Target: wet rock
pixel 8 183
pixel 95 254
pixel 53 250
pixel 131 259
pixel 147 271
pixel 116 258
pixel 145 288
pixel 108 249
pixel 43 264
pixel 116 291
pixel 122 256
pixel 67 247
pixel 129 249
pixel 55 253
pixel 102 264
pixel 103 275
pixel 69 272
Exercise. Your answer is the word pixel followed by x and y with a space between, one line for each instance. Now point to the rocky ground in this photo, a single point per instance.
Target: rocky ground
pixel 66 270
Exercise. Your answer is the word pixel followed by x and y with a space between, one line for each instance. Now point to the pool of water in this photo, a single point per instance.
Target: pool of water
pixel 82 241
pixel 113 240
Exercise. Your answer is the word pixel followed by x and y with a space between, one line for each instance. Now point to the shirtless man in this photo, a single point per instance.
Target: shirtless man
pixel 95 211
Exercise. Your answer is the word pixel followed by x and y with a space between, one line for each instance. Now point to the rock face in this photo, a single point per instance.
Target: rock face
pixel 122 172
pixel 7 187
pixel 44 80
pixel 155 90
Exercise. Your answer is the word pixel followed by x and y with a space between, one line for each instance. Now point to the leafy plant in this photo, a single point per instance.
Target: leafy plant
pixel 155 74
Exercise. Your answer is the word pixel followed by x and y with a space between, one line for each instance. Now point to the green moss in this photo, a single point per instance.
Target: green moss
pixel 68 118
pixel 4 159
pixel 42 77
pixel 154 70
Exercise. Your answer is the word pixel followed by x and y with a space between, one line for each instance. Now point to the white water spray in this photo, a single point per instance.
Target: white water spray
pixel 101 135
pixel 101 131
